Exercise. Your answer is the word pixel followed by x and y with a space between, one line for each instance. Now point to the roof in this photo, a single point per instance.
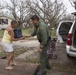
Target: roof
pixel 5 15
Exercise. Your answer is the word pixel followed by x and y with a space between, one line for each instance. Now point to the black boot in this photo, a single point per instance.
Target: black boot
pixel 48 67
pixel 40 72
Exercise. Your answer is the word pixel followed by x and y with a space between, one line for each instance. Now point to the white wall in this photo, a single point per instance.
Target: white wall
pixel 3 26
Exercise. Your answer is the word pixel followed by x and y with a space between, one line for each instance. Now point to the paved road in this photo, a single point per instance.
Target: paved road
pixel 23 68
pixel 27 43
pixel 63 65
pixel 60 66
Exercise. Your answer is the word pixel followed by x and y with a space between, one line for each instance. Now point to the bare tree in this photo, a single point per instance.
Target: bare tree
pixel 18 9
pixel 68 17
pixel 50 12
pixel 1 7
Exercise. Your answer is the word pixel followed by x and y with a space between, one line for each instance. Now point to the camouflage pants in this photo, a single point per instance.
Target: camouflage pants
pixel 44 61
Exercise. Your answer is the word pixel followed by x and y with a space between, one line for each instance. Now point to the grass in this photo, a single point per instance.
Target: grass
pixel 53 33
pixel 1 33
pixel 26 31
pixel 18 51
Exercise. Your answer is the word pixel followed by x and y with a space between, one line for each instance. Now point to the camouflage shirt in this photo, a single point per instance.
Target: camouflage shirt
pixel 42 32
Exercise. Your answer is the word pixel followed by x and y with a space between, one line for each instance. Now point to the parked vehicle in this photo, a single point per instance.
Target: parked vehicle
pixel 66 32
pixel 71 41
pixel 62 30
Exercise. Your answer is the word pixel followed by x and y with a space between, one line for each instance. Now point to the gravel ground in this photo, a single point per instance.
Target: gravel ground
pixel 60 66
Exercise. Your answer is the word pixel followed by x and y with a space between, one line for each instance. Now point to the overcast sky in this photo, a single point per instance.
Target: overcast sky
pixel 67 4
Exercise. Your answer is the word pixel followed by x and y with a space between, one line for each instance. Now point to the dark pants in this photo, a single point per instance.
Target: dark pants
pixel 44 61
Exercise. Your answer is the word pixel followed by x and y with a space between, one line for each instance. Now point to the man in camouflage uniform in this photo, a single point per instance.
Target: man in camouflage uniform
pixel 41 30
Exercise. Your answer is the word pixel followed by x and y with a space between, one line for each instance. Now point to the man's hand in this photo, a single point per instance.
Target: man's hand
pixel 22 38
pixel 28 35
pixel 40 50
pixel 41 46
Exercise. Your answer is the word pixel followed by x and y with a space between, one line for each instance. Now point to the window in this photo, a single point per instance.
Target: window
pixel 3 21
pixel 0 21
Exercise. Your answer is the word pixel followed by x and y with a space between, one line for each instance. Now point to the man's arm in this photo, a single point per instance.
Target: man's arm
pixel 44 36
pixel 33 34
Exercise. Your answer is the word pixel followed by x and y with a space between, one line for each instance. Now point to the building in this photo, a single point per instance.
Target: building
pixel 5 20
